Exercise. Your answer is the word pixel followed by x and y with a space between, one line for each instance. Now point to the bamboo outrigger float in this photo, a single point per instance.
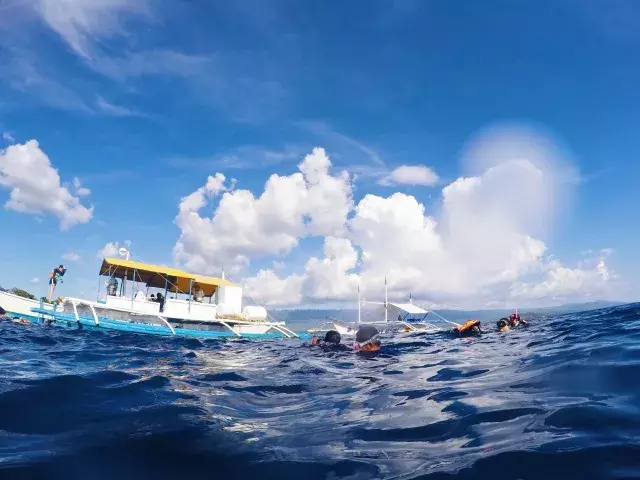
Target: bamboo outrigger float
pixel 165 314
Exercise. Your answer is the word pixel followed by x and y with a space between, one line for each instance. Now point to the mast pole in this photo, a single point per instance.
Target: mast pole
pixel 132 284
pixel 386 308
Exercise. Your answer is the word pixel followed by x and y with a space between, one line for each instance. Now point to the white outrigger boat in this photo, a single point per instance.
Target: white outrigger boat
pixel 168 315
pixel 394 317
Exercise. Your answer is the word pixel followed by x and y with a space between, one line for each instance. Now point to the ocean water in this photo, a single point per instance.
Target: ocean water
pixel 559 399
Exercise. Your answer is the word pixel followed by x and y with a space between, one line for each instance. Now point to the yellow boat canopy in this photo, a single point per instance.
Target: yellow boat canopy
pixel 158 276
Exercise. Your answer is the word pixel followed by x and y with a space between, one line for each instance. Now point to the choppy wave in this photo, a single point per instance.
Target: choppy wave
pixel 558 399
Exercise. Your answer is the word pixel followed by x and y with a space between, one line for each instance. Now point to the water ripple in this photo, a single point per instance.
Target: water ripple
pixel 555 400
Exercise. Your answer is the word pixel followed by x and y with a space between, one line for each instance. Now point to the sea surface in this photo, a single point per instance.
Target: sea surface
pixel 558 399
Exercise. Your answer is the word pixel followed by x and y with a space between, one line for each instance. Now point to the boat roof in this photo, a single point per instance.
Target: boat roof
pixel 157 276
pixel 409 308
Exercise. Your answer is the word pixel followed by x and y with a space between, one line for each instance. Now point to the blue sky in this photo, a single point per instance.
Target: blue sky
pixel 142 101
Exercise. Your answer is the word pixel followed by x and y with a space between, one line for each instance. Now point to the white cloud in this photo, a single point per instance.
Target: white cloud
pixel 114 110
pixel 35 280
pixel 590 280
pixel 39 193
pixel 410 175
pixel 79 189
pixel 112 38
pixel 7 137
pixel 80 23
pixel 268 289
pixel 482 248
pixel 71 256
pixel 109 250
pixel 310 202
pixel 326 278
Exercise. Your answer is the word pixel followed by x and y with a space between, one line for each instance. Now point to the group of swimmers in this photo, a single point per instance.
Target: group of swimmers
pixel 472 327
pixel 367 336
pixel 4 315
pixel 367 340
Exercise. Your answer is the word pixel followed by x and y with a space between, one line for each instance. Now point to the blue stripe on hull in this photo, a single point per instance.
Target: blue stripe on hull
pixel 69 320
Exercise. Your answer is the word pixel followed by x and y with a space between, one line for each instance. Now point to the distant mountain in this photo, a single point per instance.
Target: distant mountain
pixel 305 318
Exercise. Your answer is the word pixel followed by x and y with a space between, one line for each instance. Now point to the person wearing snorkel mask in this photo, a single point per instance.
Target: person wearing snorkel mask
pixel 367 339
pixel 331 339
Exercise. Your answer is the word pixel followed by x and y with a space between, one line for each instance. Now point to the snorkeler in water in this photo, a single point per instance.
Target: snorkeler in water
pixel 367 339
pixel 470 327
pixel 331 338
pixel 505 324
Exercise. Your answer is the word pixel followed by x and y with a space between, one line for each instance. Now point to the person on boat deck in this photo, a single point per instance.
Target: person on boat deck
pixel 140 296
pixel 331 339
pixel 112 287
pixel 160 300
pixel 198 293
pixel 367 339
pixel 470 327
pixel 54 277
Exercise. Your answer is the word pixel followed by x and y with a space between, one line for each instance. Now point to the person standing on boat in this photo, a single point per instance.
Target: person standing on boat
pixel 54 277
pixel 198 293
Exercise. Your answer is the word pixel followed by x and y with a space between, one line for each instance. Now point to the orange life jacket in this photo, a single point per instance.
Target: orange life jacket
pixel 469 324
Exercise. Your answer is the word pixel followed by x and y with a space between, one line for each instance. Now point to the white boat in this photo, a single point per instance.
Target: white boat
pixel 183 309
pixel 389 317
pixel 17 306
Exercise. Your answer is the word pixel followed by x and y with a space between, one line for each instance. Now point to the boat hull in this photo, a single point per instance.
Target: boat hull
pixel 69 320
pixel 20 307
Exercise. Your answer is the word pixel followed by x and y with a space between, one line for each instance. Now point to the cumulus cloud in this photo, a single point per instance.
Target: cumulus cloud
pixel 483 246
pixel 323 278
pixel 111 249
pixel 71 256
pixel 7 137
pixel 592 279
pixel 410 175
pixel 310 202
pixel 40 193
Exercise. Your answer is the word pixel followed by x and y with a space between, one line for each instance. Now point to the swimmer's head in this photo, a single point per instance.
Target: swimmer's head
pixel 315 341
pixel 503 324
pixel 367 339
pixel 333 337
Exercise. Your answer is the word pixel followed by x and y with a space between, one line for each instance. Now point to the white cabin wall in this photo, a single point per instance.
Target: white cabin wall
pixel 230 299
